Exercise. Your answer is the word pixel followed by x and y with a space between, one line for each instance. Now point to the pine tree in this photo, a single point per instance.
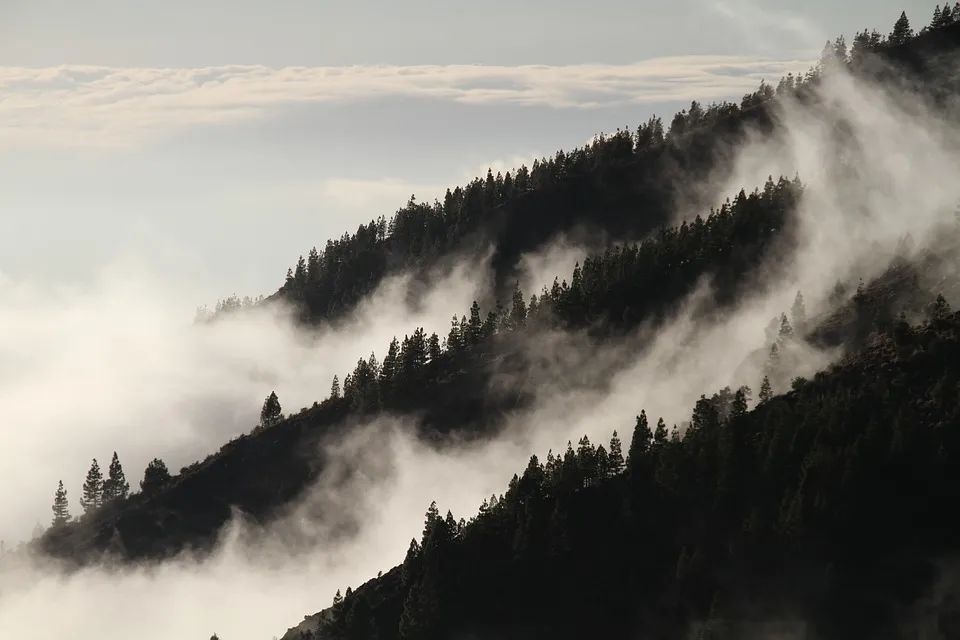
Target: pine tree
pixel 798 312
pixel 430 520
pixel 786 330
pixel 937 17
pixel 155 477
pixel 61 507
pixel 391 363
pixel 475 326
pixel 766 392
pixel 411 560
pixel 741 401
pixel 602 462
pixel 337 599
pixel 300 273
pixel 92 498
pixel 587 458
pixel 660 435
pixel 271 413
pixel 940 309
pixel 455 337
pixel 115 487
pixel 640 443
pixel 902 33
pixel 840 49
pixel 518 311
pixel 433 348
pixel 335 388
pixel 615 456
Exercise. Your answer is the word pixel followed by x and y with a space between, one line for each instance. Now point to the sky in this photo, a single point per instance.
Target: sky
pixel 212 142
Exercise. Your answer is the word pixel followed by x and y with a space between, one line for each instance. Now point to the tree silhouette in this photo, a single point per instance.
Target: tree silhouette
pixel 92 496
pixel 61 508
pixel 271 413
pixel 615 455
pixel 155 477
pixel 902 33
pixel 115 487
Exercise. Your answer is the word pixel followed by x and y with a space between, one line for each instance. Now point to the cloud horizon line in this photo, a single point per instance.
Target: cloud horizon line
pixel 120 107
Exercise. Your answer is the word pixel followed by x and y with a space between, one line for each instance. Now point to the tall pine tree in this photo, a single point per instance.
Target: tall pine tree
pixel 61 508
pixel 615 456
pixel 640 442
pixel 271 413
pixel 115 487
pixel 92 498
pixel 902 32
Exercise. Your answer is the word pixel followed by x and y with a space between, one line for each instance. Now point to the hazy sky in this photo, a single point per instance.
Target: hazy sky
pixel 212 142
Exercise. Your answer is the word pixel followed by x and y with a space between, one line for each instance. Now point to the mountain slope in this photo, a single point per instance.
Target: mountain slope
pixel 449 389
pixel 822 513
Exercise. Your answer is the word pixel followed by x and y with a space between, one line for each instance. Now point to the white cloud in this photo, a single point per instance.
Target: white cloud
pixel 91 106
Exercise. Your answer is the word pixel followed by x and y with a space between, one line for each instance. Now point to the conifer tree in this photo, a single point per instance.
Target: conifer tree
pixel 940 309
pixel 335 388
pixel 489 326
pixel 602 462
pixel 61 507
pixel 615 455
pixel 786 330
pixel 455 337
pixel 391 363
pixel 766 391
pixel 92 498
pixel 640 442
pixel 798 312
pixel 660 435
pixel 115 487
pixel 587 458
pixel 518 311
pixel 740 401
pixel 433 348
pixel 902 33
pixel 271 413
pixel 155 477
pixel 411 560
pixel 475 326
pixel 430 520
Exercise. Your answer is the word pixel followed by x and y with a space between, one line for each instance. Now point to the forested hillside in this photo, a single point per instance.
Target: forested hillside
pixel 622 185
pixel 822 511
pixel 444 382
pixel 818 514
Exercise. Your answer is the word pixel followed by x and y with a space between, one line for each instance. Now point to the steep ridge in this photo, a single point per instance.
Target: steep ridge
pixel 623 186
pixel 447 388
pixel 821 513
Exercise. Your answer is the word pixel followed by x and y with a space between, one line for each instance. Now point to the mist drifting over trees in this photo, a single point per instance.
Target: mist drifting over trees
pixel 696 378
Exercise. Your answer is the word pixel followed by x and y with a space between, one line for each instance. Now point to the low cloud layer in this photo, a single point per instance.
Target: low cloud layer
pixel 854 212
pixel 84 106
pixel 118 366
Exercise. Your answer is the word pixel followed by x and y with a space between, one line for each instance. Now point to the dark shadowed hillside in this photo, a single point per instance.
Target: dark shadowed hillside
pixel 821 513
